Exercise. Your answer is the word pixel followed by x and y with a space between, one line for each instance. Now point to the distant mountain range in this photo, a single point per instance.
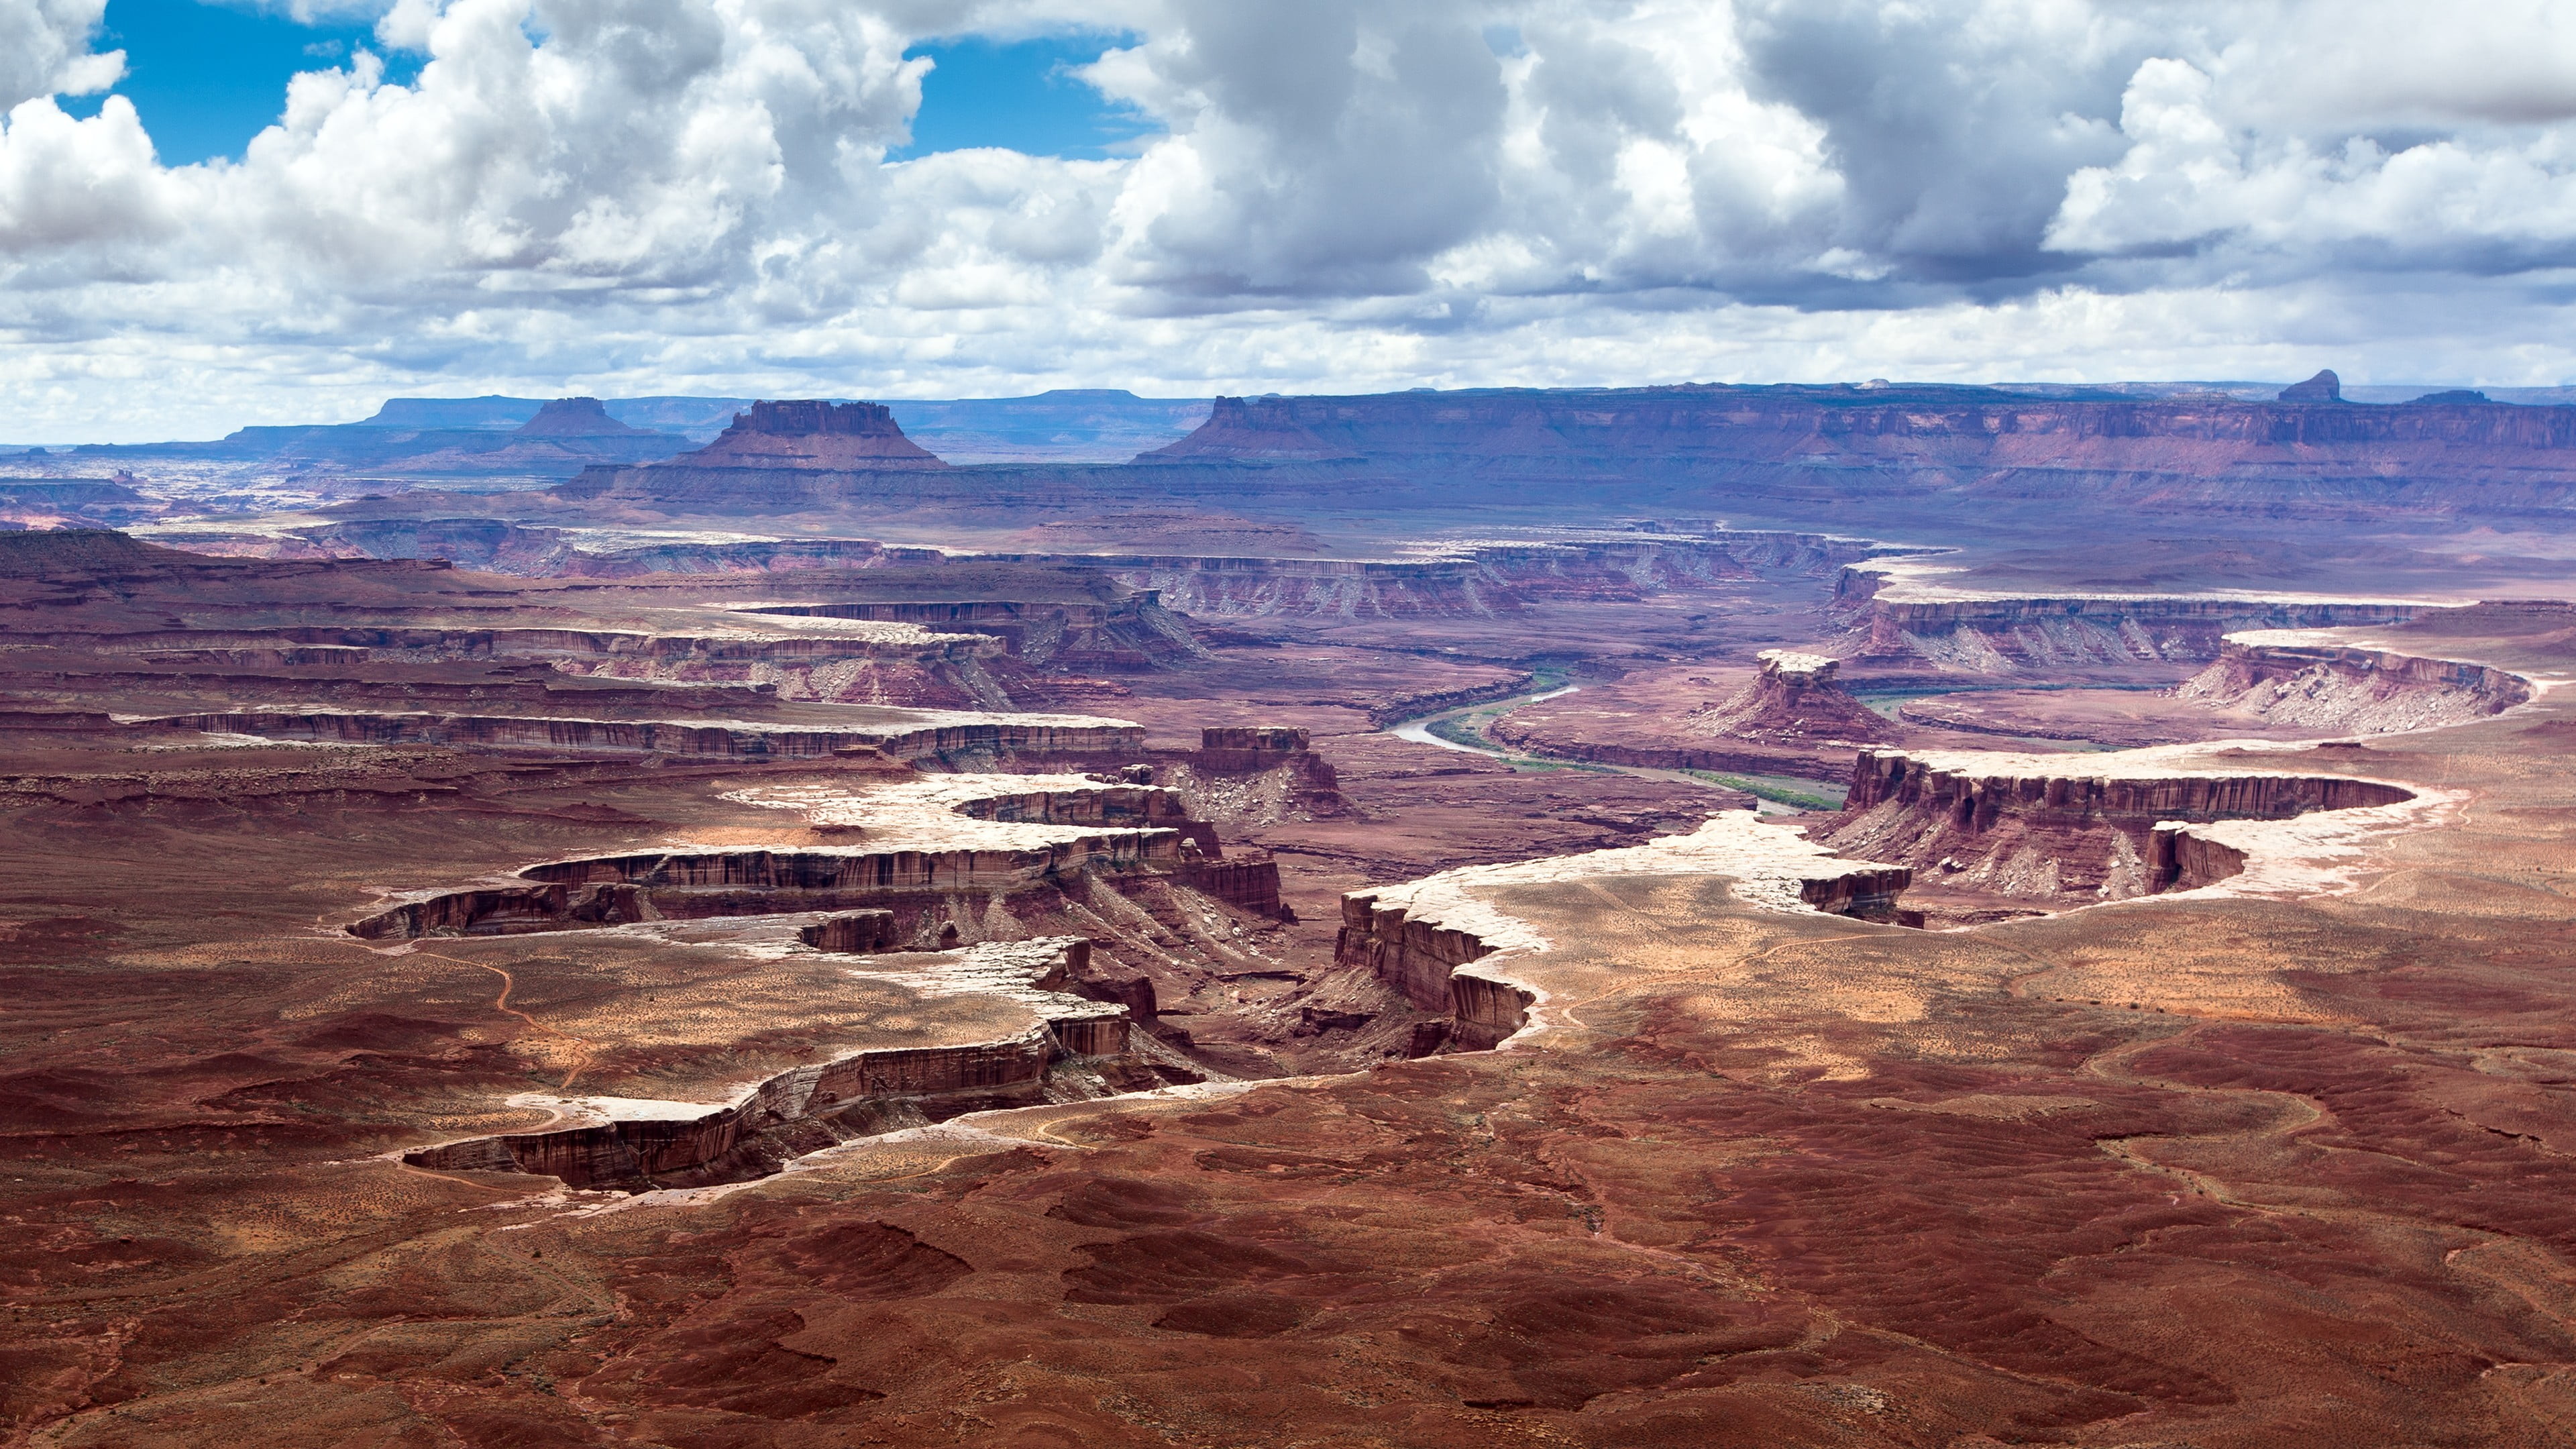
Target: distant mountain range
pixel 1068 425
pixel 484 437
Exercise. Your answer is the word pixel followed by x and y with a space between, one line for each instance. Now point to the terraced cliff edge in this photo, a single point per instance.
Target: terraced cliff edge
pixel 639 1146
pixel 2296 677
pixel 2069 829
pixel 1436 939
pixel 925 838
pixel 1899 612
pixel 925 734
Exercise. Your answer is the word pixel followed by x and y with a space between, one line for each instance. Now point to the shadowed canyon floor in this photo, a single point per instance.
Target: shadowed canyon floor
pixel 915 996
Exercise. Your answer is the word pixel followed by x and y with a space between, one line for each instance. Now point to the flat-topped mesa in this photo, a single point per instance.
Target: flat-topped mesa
pixel 2290 677
pixel 1794 700
pixel 2008 634
pixel 1919 425
pixel 1238 429
pixel 810 1107
pixel 1794 670
pixel 951 745
pixel 1247 749
pixel 2063 828
pixel 779 455
pixel 914 849
pixel 1426 938
pixel 1473 581
pixel 1252 775
pixel 1117 630
pixel 885 664
pixel 916 886
pixel 575 417
pixel 813 434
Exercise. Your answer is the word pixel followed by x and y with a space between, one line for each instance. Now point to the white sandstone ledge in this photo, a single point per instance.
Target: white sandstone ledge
pixel 1767 863
pixel 2378 638
pixel 2322 853
pixel 923 814
pixel 1913 580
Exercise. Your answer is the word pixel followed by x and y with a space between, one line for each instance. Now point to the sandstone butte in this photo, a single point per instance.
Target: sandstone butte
pixel 574 417
pixel 816 435
pixel 1895 972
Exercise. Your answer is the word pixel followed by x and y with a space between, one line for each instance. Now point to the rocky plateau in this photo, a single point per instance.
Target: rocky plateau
pixel 1701 915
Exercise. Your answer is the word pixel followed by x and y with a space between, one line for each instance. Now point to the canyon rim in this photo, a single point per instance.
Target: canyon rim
pixel 726 726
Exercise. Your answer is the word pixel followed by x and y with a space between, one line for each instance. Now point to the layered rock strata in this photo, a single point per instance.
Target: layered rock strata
pixel 641 1146
pixel 852 932
pixel 2068 828
pixel 928 841
pixel 1476 580
pixel 1794 700
pixel 1904 445
pixel 950 739
pixel 812 434
pixel 1251 776
pixel 1129 631
pixel 1439 940
pixel 1906 624
pixel 2294 677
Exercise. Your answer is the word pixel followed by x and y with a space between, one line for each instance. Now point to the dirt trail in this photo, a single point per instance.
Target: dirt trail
pixel 586 1051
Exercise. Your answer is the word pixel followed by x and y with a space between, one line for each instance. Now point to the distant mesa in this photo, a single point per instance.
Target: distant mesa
pixel 814 434
pixel 2324 387
pixel 2455 395
pixel 575 417
pixel 491 412
pixel 1267 428
pixel 83 553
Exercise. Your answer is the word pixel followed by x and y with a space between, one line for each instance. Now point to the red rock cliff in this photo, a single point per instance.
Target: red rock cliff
pixel 813 434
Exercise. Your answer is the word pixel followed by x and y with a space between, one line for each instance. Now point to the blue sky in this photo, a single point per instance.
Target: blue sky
pixel 205 78
pixel 1018 95
pixel 1338 196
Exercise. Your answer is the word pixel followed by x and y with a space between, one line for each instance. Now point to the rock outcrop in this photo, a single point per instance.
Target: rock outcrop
pixel 1901 627
pixel 811 1107
pixel 788 454
pixel 1793 701
pixel 2325 387
pixel 2063 829
pixel 952 744
pixel 574 417
pixel 812 434
pixel 1114 630
pixel 1709 429
pixel 1475 581
pixel 853 932
pixel 1041 840
pixel 2288 677
pixel 1256 775
pixel 1427 938
pixel 2001 461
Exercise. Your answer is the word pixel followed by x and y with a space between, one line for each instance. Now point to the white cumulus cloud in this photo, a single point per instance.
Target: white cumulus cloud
pixel 664 195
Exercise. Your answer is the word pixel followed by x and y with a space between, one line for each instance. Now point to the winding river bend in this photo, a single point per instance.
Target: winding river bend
pixel 1464 729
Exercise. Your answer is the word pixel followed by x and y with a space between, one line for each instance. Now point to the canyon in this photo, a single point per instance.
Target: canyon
pixel 1888 915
